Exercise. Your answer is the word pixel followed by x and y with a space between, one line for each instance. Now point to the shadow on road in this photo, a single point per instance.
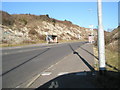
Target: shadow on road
pixel 25 62
pixel 89 52
pixel 88 65
pixel 84 80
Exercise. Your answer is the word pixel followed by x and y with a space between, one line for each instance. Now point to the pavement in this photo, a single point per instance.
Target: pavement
pixel 73 71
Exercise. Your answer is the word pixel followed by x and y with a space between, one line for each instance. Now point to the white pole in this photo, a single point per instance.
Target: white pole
pixel 101 42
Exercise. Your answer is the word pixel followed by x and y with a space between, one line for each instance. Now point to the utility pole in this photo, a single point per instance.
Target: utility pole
pixel 101 41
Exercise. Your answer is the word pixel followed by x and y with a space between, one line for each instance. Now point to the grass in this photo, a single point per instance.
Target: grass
pixel 38 42
pixel 22 44
pixel 67 41
pixel 112 61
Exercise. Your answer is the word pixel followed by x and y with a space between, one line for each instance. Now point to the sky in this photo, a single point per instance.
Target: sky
pixel 80 13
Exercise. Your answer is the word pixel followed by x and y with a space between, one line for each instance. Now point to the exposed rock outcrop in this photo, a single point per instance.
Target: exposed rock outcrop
pixel 32 28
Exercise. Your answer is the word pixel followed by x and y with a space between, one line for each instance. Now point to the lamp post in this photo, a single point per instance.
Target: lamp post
pixel 101 42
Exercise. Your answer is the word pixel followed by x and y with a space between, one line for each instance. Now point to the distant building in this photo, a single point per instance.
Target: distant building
pixel 91 38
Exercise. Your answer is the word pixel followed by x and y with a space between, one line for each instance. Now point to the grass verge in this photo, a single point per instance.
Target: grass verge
pixel 38 42
pixel 22 44
pixel 112 61
pixel 68 41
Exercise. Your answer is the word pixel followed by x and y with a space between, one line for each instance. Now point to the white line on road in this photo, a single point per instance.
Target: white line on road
pixel 46 73
pixel 18 87
pixel 62 73
pixel 34 79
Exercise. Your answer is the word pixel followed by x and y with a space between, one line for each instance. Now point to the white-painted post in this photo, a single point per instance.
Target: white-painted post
pixel 101 41
pixel 92 33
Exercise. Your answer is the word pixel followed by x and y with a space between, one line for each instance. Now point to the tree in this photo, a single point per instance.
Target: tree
pixel 47 15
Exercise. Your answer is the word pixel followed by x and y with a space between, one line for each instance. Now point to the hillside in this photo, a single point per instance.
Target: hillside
pixel 24 28
pixel 113 39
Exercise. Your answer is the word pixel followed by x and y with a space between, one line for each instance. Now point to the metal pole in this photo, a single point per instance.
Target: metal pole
pixel 101 42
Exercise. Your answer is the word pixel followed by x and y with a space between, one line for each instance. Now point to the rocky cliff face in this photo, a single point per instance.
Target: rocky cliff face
pixel 19 28
pixel 113 40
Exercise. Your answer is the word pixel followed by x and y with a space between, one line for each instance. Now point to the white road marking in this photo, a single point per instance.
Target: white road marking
pixel 54 85
pixel 46 73
pixel 30 83
pixel 51 66
pixel 17 86
pixel 62 73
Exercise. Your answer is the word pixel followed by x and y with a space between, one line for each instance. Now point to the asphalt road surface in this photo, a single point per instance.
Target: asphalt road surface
pixel 21 64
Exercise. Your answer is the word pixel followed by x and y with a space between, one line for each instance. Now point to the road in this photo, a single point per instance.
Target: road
pixel 21 64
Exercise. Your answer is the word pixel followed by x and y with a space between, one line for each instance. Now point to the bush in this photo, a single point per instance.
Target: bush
pixel 47 15
pixel 42 37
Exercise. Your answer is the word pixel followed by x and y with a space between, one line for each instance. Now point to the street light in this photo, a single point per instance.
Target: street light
pixel 101 42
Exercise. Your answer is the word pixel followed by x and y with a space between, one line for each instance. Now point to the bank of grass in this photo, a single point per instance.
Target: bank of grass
pixel 22 44
pixel 70 41
pixel 112 61
pixel 37 42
